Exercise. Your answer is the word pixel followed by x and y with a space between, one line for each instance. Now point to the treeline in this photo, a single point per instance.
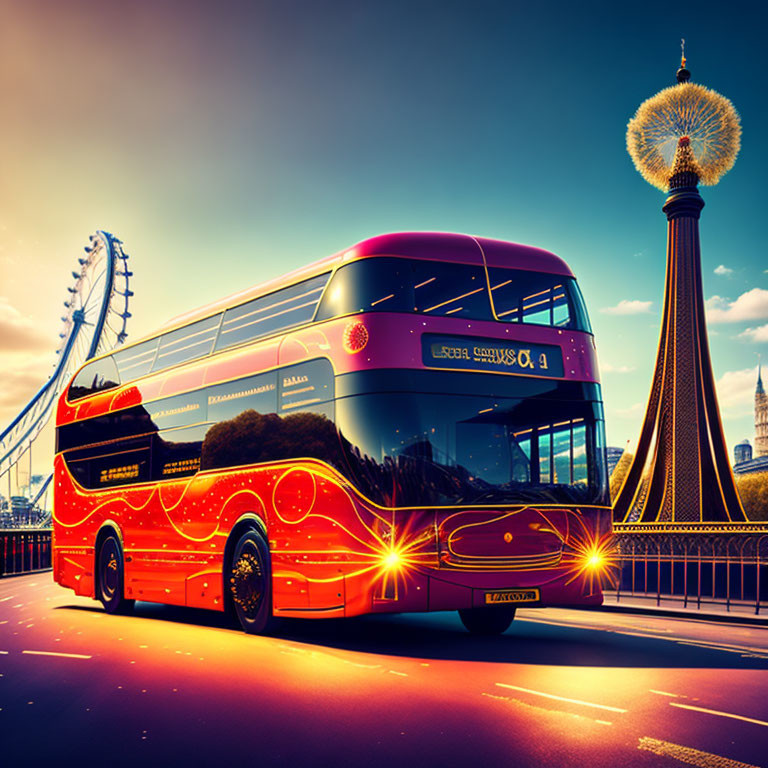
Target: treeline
pixel 752 488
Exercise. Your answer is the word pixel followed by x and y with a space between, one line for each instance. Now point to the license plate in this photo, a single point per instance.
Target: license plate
pixel 512 596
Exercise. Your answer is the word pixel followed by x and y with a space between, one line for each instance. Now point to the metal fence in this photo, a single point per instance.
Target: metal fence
pixel 694 571
pixel 24 550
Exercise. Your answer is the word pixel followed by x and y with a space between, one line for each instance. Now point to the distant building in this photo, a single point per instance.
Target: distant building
pixel 761 417
pixel 6 519
pixel 21 510
pixel 613 455
pixel 745 460
pixel 742 452
pixel 759 464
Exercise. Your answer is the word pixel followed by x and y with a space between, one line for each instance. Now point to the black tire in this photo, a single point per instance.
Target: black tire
pixel 487 621
pixel 109 577
pixel 250 584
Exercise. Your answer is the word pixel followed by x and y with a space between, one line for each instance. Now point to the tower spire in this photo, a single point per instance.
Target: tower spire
pixel 759 390
pixel 683 75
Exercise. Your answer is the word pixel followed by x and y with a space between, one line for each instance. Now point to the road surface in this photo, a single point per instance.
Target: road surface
pixel 561 688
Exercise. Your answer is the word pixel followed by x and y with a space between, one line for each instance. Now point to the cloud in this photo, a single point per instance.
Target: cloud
pixel 628 307
pixel 752 305
pixel 22 377
pixel 736 391
pixel 633 409
pixel 18 333
pixel 609 368
pixel 723 270
pixel 755 334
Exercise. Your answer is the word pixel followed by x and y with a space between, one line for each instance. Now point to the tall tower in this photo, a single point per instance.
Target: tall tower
pixel 761 416
pixel 683 136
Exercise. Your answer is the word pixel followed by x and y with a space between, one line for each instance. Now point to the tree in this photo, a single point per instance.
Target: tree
pixel 619 473
pixel 753 491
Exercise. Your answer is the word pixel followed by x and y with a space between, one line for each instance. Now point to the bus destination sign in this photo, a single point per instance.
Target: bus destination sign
pixel 470 353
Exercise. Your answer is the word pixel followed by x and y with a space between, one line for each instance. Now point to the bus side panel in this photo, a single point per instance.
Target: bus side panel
pixel 318 538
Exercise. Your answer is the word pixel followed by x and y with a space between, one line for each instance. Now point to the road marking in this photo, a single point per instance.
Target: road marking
pixel 689 755
pixel 543 710
pixel 3 599
pixel 664 693
pixel 724 646
pixel 561 698
pixel 362 666
pixel 616 629
pixel 57 653
pixel 4 653
pixel 402 674
pixel 708 647
pixel 720 714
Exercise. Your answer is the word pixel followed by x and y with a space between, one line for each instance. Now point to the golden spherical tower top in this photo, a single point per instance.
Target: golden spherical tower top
pixel 686 119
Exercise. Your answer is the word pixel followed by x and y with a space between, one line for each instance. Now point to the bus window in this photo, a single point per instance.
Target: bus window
pixel 253 393
pixel 176 452
pixel 136 361
pixel 537 298
pixel 178 411
pixel 121 463
pixel 305 385
pixel 272 313
pixel 98 376
pixel 187 343
pixel 421 448
pixel 389 284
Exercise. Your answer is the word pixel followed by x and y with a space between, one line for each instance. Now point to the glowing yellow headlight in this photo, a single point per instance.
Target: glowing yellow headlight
pixel 595 560
pixel 391 560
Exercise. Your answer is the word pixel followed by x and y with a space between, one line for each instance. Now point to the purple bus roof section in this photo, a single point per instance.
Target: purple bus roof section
pixel 444 246
pixel 435 246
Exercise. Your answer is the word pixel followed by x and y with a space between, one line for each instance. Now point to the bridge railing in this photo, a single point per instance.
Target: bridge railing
pixel 24 550
pixel 729 573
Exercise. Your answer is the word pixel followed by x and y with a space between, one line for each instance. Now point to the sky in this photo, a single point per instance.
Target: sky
pixel 227 143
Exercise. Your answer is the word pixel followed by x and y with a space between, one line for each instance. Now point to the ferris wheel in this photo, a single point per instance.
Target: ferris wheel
pixel 95 319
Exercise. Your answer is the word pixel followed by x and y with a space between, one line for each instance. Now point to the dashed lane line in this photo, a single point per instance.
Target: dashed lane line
pixel 718 713
pixel 561 698
pixel 59 653
pixel 706 644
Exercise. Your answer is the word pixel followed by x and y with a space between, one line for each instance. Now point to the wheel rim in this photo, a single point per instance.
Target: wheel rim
pixel 247 583
pixel 110 573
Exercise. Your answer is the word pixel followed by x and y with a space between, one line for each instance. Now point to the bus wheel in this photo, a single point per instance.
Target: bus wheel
pixel 250 584
pixel 487 621
pixel 110 577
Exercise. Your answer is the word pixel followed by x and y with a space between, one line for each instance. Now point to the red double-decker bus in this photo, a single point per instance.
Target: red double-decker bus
pixel 413 424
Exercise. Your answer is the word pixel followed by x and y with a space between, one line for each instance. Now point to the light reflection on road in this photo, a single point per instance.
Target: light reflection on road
pixel 561 687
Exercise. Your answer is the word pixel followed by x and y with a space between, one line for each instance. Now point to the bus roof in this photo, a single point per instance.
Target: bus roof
pixel 438 246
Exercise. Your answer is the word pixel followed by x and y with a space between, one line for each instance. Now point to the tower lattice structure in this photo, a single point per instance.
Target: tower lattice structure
pixel 680 472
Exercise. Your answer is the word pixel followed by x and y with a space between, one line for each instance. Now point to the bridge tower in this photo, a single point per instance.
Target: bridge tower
pixel 681 473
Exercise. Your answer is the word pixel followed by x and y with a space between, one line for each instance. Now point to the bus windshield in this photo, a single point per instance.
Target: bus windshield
pixel 391 284
pixel 529 441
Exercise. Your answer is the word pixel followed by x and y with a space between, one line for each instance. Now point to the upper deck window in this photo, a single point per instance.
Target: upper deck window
pixel 537 298
pixel 136 361
pixel 388 284
pixel 272 313
pixel 187 343
pixel 98 376
pixel 403 285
